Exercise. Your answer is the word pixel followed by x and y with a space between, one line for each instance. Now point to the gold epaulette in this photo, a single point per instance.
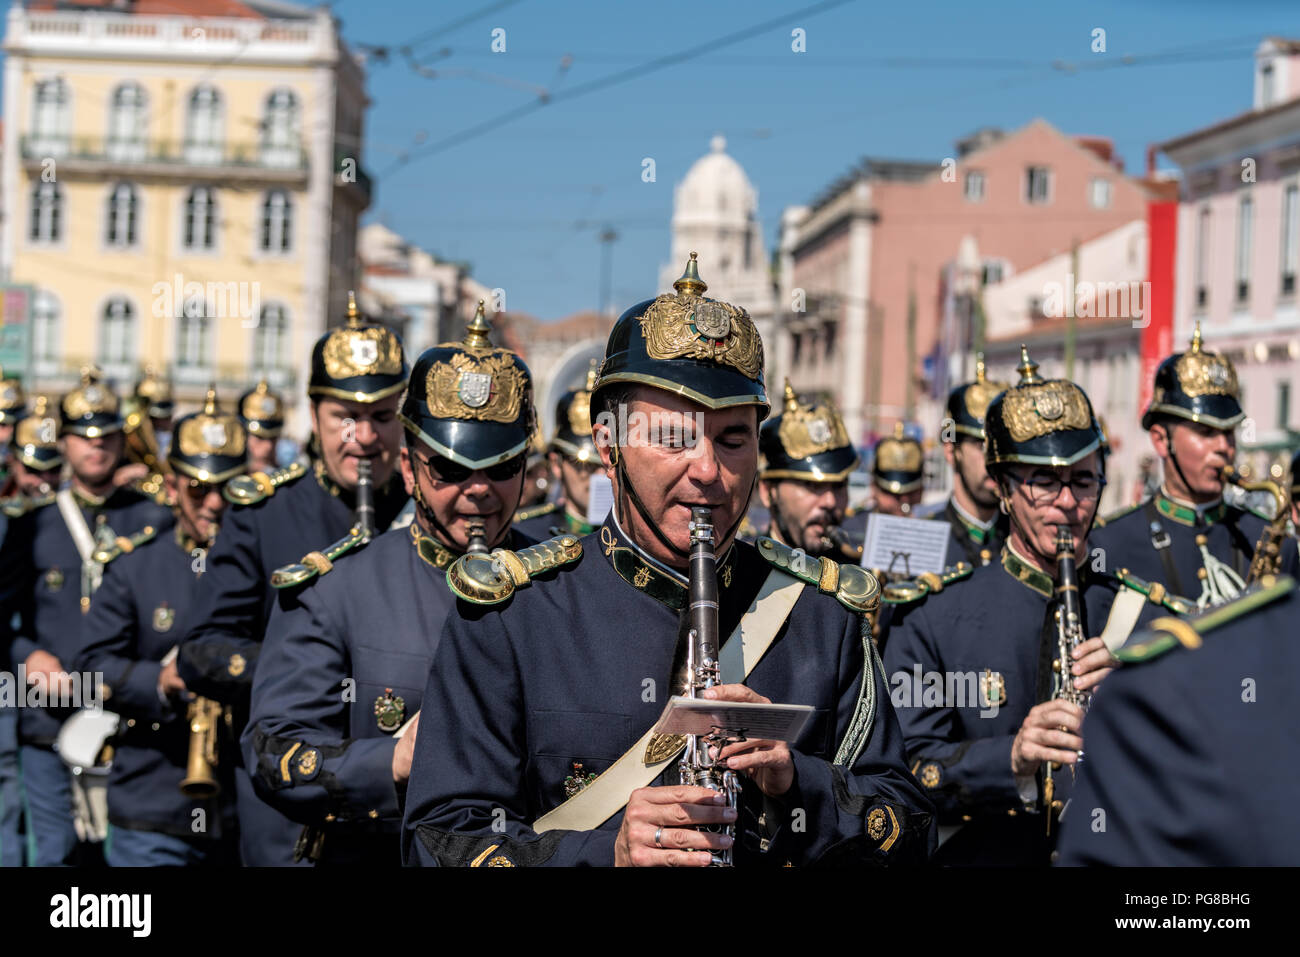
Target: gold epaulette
pixel 1169 633
pixel 491 579
pixel 154 488
pixel 123 545
pixel 533 511
pixel 914 589
pixel 853 586
pixel 1156 593
pixel 317 563
pixel 18 505
pixel 1102 522
pixel 256 486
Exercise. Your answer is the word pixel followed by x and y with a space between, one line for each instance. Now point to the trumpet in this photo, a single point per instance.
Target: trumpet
pixel 200 768
pixel 1069 635
pixel 1267 559
pixel 697 767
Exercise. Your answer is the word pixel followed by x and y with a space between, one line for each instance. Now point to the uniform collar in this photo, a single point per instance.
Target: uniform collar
pixel 976 530
pixel 430 549
pixel 184 542
pixel 86 500
pixel 645 573
pixel 576 525
pixel 1190 515
pixel 1023 571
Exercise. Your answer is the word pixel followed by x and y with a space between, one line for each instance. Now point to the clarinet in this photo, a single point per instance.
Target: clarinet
pixel 1069 635
pixel 365 499
pixel 697 767
pixel 477 537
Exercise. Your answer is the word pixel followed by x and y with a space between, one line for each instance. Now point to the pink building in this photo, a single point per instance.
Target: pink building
pixel 890 231
pixel 1238 247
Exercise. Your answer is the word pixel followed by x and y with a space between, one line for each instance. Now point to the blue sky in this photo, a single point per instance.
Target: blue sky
pixel 525 201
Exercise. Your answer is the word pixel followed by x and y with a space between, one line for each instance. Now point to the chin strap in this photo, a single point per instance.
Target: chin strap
pixel 626 488
pixel 778 519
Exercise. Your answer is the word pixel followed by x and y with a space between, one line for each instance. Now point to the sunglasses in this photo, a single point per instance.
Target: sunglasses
pixel 445 470
pixel 199 490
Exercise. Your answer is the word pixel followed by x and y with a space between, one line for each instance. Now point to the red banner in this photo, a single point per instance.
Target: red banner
pixel 1162 249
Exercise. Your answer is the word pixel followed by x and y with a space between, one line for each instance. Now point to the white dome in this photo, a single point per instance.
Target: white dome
pixel 715 188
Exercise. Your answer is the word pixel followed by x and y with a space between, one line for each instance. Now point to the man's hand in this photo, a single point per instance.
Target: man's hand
pixel 126 474
pixel 1092 662
pixel 675 813
pixel 405 751
pixel 170 683
pixel 46 671
pixel 1050 733
pixel 768 763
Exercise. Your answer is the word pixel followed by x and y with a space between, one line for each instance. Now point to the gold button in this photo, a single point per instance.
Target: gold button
pixel 155 726
pixel 965 817
pixel 329 818
pixel 130 722
pixel 374 815
pixel 1011 812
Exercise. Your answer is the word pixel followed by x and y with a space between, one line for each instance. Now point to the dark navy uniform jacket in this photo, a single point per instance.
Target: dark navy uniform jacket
pixel 40 569
pixel 1231 535
pixel 575 667
pixel 1191 755
pixel 220 653
pixel 971 544
pixel 145 604
pixel 987 638
pixel 314 743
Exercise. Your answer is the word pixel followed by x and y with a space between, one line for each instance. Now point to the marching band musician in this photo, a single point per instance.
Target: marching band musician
pixel 13 406
pixel 804 479
pixel 48 575
pixel 978 526
pixel 560 658
pixel 338 762
pixel 1187 537
pixel 1184 767
pixel 35 461
pixel 573 461
pixel 148 599
pixel 979 754
pixel 358 373
pixel 897 473
pixel 261 410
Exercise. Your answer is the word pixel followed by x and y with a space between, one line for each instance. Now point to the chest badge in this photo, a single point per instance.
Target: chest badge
pixel 576 782
pixel 993 688
pixel 390 709
pixel 53 579
pixel 163 618
pixel 237 666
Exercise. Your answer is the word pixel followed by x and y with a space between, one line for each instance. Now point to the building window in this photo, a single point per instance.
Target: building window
pixel 194 337
pixel 45 328
pixel 123 207
pixel 50 118
pixel 1038 184
pixel 992 273
pixel 1284 406
pixel 831 329
pixel 47 213
pixel 277 222
pixel 974 190
pixel 1245 226
pixel 203 127
pixel 116 345
pixel 269 339
pixel 128 122
pixel 200 218
pixel 1289 237
pixel 796 351
pixel 280 129
pixel 1266 87
pixel 1035 309
pixel 1099 193
pixel 1202 257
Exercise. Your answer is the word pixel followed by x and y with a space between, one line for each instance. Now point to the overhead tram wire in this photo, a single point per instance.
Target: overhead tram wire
pixel 613 79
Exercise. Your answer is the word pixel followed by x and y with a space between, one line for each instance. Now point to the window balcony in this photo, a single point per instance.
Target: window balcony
pixel 110 156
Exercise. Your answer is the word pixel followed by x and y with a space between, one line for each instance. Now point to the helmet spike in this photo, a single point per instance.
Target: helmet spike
pixel 1028 368
pixel 690 283
pixel 476 333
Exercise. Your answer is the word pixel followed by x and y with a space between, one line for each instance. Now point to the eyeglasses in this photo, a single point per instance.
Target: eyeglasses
pixel 1043 488
pixel 453 473
pixel 199 490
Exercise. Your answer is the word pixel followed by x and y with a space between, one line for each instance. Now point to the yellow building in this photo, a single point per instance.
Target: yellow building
pixel 182 188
